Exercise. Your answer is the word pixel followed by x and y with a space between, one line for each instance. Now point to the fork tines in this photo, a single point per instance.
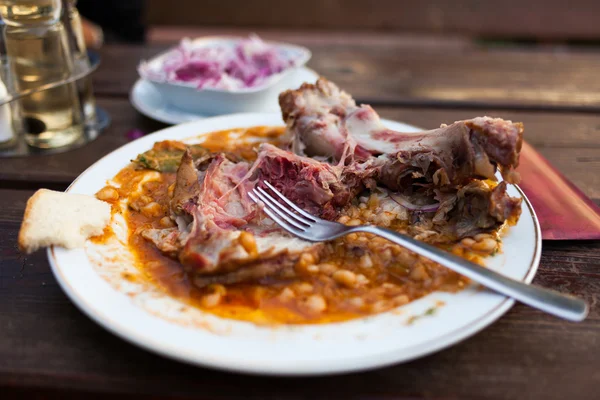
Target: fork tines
pixel 288 215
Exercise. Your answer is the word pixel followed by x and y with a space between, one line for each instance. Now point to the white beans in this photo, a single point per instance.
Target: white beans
pixel 405 258
pixel 361 279
pixel 481 236
pixel 145 199
pixel 379 306
pixel 367 215
pixel 286 294
pixel 386 255
pixel 343 219
pixel 304 287
pixel 486 245
pixel 401 300
pixel 152 209
pixel 166 222
pixel 327 268
pixel 248 242
pixel 315 303
pixel 108 193
pixel 419 273
pixel 468 242
pixel 373 201
pixel 356 302
pixel 345 277
pixel 217 288
pixel 211 300
pixel 353 237
pixel 306 259
pixel 312 269
pixel 306 264
pixel 366 262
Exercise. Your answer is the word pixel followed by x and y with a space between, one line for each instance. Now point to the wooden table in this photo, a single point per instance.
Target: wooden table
pixel 49 348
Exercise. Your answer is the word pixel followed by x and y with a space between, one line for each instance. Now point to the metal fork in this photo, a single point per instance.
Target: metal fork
pixel 306 226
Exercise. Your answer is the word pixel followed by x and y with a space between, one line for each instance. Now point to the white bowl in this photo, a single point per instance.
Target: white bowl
pixel 215 101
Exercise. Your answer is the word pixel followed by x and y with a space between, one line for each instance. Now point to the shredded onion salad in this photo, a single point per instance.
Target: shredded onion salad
pixel 243 63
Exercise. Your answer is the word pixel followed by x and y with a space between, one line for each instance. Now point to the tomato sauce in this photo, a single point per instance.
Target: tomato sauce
pixel 352 277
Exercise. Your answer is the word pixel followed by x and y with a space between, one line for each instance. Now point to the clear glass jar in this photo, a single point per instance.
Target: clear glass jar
pixel 38 54
pixel 7 130
pixel 28 13
pixel 81 62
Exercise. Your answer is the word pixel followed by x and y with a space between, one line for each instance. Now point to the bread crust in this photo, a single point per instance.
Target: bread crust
pixel 62 219
pixel 24 244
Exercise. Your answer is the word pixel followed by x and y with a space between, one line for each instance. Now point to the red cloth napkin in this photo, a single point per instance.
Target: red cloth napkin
pixel 563 210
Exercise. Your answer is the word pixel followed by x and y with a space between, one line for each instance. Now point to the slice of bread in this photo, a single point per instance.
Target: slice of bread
pixel 61 219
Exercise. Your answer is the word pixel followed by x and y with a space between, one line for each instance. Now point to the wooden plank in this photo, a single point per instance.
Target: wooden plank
pixel 418 72
pixel 118 69
pixel 48 346
pixel 172 34
pixel 510 18
pixel 570 141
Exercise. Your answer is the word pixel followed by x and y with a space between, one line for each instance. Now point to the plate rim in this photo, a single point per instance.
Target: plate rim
pixel 366 362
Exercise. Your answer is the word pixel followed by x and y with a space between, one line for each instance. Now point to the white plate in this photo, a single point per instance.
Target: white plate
pixel 144 316
pixel 148 100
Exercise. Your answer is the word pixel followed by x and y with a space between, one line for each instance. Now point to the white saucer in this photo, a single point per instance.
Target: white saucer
pixel 148 101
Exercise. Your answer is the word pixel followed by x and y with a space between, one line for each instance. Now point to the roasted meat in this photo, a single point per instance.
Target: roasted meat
pixel 323 121
pixel 475 208
pixel 221 237
pixel 443 166
pixel 451 155
pixel 444 179
pixel 319 188
pixel 165 156
pixel 187 186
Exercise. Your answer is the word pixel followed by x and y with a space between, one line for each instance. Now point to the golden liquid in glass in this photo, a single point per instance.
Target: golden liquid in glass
pixel 30 12
pixel 38 52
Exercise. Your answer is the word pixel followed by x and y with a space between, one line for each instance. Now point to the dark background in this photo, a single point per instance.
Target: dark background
pixel 528 21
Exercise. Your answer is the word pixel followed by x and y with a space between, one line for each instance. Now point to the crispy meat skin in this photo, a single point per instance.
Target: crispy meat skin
pixel 187 186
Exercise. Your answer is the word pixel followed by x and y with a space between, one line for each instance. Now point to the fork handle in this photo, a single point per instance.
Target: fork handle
pixel 550 301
